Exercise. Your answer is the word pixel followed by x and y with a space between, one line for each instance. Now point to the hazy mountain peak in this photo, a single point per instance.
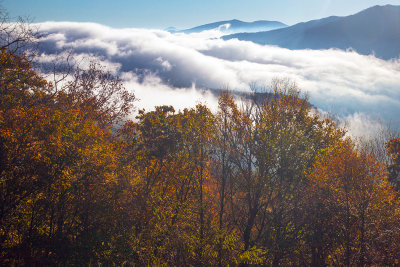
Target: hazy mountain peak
pixel 375 30
pixel 236 26
pixel 171 29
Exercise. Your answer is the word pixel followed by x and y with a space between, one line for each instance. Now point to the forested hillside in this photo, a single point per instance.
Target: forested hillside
pixel 264 182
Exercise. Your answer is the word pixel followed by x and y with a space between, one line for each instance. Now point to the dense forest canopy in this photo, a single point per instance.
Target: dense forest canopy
pixel 265 182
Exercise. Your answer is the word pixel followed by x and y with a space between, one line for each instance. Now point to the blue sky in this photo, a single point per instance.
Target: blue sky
pixel 182 13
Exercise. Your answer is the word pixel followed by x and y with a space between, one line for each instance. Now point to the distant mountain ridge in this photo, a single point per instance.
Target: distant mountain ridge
pixel 373 30
pixel 235 26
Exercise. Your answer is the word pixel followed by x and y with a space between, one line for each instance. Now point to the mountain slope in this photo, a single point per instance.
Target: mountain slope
pixel 238 26
pixel 374 30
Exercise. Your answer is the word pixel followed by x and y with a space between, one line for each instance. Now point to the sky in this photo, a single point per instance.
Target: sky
pixel 160 14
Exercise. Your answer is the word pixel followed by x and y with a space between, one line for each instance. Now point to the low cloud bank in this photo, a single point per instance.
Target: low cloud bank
pixel 165 68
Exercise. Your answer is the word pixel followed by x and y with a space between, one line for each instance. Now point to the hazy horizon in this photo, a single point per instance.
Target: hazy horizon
pixel 182 14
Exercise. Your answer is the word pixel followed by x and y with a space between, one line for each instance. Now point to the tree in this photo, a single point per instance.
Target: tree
pixel 169 152
pixel 266 148
pixel 58 168
pixel 99 94
pixel 393 147
pixel 16 37
pixel 355 196
pixel 222 166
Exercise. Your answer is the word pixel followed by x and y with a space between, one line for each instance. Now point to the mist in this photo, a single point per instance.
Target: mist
pixel 176 69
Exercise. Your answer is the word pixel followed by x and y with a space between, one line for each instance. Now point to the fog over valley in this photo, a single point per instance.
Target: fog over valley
pixel 166 68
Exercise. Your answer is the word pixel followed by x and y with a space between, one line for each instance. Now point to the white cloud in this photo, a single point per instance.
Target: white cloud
pixel 362 125
pixel 162 67
pixel 152 92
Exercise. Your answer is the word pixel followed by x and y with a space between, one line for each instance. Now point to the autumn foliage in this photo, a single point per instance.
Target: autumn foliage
pixel 268 182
